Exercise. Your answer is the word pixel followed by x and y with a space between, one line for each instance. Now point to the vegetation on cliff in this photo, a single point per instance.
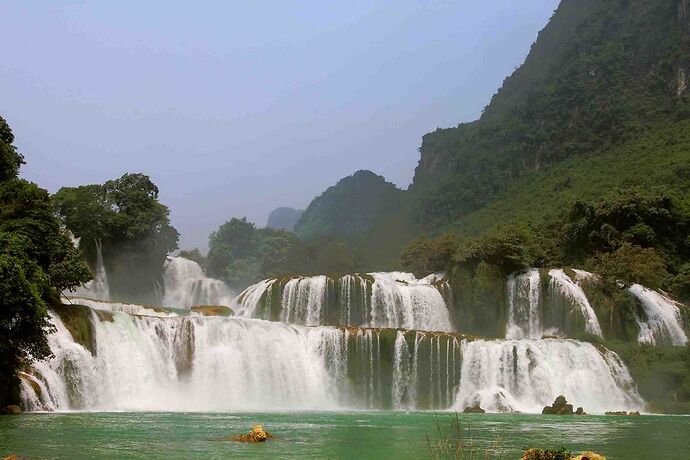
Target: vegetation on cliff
pixel 601 74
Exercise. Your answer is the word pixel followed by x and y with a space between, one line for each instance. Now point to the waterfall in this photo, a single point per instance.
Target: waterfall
pixel 561 283
pixel 526 375
pixel 178 363
pixel 251 300
pixel 523 305
pixel 193 363
pixel 400 300
pixel 304 300
pixel 186 285
pixel 662 322
pixel 98 287
pixel 391 300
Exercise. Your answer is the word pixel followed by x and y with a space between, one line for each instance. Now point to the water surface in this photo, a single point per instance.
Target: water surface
pixel 376 434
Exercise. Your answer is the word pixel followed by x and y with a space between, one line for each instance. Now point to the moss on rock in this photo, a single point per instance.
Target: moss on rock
pixel 77 320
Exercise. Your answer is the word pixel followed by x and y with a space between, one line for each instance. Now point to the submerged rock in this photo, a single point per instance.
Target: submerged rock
pixel 561 407
pixel 13 409
pixel 622 413
pixel 476 409
pixel 256 435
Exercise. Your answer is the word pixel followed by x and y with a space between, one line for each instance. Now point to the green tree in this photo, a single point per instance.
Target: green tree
pixel 632 264
pixel 424 256
pixel 242 254
pixel 509 248
pixel 132 225
pixel 37 261
pixel 10 159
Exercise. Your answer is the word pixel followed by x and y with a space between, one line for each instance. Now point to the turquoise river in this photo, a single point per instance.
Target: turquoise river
pixel 368 434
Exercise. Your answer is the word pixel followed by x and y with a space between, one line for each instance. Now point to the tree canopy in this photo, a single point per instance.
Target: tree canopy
pixel 132 225
pixel 37 262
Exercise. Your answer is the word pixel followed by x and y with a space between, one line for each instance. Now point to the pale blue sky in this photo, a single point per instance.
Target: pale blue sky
pixel 236 108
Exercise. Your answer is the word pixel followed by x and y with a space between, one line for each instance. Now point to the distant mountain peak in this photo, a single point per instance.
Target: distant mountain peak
pixel 284 218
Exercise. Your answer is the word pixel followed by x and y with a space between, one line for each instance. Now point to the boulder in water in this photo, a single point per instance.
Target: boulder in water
pixel 580 411
pixel 588 456
pixel 13 409
pixel 476 409
pixel 256 435
pixel 622 413
pixel 560 407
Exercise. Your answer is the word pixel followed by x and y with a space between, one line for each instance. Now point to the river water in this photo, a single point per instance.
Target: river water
pixel 368 434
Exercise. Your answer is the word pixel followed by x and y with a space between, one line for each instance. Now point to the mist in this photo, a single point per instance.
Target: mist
pixel 238 108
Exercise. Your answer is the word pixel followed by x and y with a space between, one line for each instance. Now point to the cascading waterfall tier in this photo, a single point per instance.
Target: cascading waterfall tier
pixel 562 309
pixel 392 300
pixel 167 362
pixel 194 363
pixel 570 304
pixel 186 285
pixel 526 375
pixel 662 322
pixel 524 291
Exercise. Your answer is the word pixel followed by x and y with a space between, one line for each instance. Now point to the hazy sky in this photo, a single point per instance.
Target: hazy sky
pixel 236 108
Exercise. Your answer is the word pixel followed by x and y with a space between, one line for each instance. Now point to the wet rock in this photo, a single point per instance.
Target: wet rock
pixel 588 456
pixel 13 410
pixel 543 454
pixel 560 407
pixel 476 409
pixel 213 310
pixel 256 435
pixel 580 411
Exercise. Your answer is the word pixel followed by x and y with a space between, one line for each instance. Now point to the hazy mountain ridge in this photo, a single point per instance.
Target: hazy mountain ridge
pixel 284 218
pixel 350 208
pixel 600 74
pixel 600 103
